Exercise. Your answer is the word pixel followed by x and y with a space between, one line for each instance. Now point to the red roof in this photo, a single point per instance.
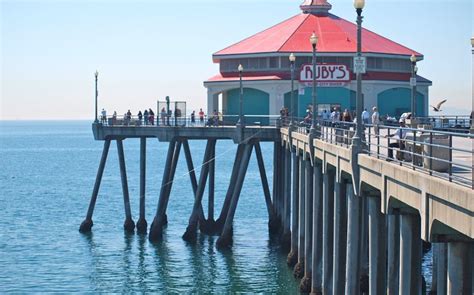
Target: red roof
pixel 335 34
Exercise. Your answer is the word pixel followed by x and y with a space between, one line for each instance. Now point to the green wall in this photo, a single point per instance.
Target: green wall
pixel 324 95
pixel 397 101
pixel 255 102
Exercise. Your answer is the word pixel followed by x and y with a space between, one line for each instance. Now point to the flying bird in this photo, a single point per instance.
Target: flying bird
pixel 437 108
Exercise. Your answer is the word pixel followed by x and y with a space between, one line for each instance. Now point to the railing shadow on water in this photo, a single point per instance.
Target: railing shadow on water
pixel 443 154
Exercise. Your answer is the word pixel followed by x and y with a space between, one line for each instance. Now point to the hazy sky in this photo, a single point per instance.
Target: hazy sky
pixel 145 50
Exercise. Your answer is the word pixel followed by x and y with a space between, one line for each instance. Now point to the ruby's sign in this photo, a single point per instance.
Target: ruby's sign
pixel 325 73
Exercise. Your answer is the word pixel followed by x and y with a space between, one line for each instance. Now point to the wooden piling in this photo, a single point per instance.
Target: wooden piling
pixel 233 178
pixel 340 236
pixel 298 271
pixel 141 223
pixel 191 230
pixel 266 190
pixel 293 255
pixel 129 225
pixel 317 255
pixel 305 285
pixel 87 224
pixel 328 228
pixel 158 222
pixel 225 239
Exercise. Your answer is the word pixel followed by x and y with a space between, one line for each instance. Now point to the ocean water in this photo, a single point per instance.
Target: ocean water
pixel 47 173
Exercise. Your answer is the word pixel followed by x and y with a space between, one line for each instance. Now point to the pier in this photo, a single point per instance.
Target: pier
pixel 349 222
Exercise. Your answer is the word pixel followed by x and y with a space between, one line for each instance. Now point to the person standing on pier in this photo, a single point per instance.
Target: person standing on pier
pixel 401 134
pixel 151 117
pixel 193 118
pixel 375 120
pixel 365 117
pixel 145 117
pixel 140 117
pixel 103 118
pixel 129 117
pixel 201 116
pixel 163 116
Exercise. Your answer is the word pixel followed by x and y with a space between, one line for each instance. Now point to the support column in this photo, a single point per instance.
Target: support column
pixel 141 223
pixel 340 237
pixel 208 226
pixel 317 255
pixel 225 239
pixel 159 220
pixel 191 229
pixel 192 174
pixel 305 285
pixel 440 268
pixel 328 227
pixel 87 224
pixel 230 189
pixel 286 237
pixel 410 254
pixel 460 267
pixel 298 271
pixel 353 241
pixel 212 169
pixel 393 251
pixel 128 225
pixel 266 189
pixel 293 255
pixel 364 246
pixel 377 247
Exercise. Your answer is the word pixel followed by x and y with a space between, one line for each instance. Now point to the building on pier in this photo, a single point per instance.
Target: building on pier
pixel 267 84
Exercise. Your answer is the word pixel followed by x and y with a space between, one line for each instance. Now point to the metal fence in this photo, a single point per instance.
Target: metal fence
pixel 173 119
pixel 443 154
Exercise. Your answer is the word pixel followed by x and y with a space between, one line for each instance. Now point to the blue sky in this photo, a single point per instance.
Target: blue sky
pixel 145 50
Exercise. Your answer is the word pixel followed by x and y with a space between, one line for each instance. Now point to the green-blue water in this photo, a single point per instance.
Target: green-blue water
pixel 47 173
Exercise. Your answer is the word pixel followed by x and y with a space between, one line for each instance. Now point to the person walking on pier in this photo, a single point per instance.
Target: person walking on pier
pixel 400 144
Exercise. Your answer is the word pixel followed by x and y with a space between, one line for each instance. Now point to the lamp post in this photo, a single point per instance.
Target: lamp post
pixel 356 140
pixel 240 68
pixel 96 95
pixel 414 70
pixel 314 41
pixel 292 102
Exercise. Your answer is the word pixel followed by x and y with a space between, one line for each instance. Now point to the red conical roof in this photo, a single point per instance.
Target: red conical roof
pixel 335 34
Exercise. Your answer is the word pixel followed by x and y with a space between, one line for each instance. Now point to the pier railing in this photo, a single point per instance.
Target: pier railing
pixel 447 123
pixel 443 154
pixel 189 121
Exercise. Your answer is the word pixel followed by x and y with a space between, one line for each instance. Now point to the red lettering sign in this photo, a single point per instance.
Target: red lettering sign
pixel 325 73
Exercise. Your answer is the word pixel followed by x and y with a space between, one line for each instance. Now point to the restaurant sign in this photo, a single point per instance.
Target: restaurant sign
pixel 326 74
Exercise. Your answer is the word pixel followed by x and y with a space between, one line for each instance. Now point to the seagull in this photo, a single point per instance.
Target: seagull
pixel 437 108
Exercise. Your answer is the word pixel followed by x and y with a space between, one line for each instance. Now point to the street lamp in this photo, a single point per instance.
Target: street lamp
pixel 292 103
pixel 356 140
pixel 314 42
pixel 240 68
pixel 96 95
pixel 414 70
